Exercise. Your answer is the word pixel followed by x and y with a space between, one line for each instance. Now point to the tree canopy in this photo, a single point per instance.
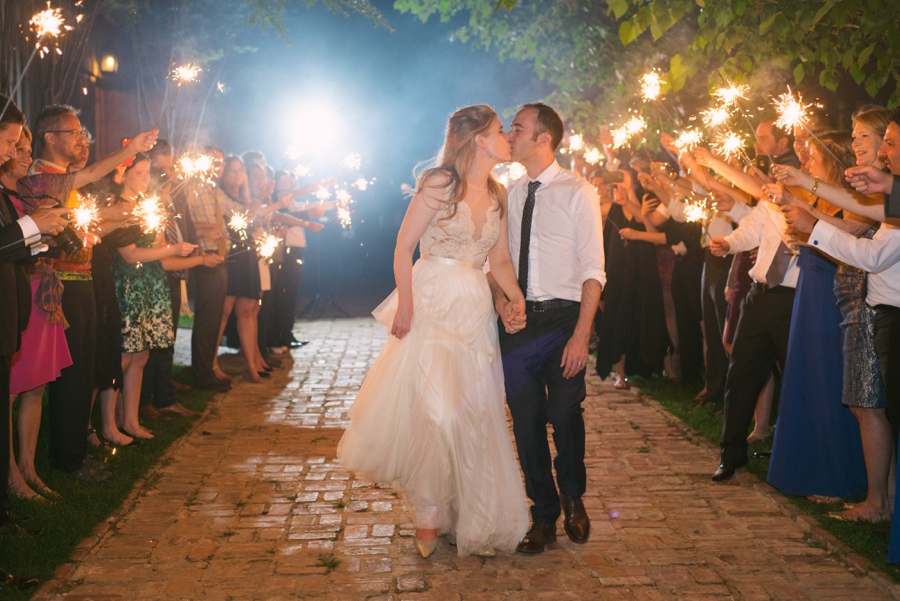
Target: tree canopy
pixel 593 51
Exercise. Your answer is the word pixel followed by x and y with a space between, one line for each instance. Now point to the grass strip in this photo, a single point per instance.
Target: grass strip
pixel 868 540
pixel 65 523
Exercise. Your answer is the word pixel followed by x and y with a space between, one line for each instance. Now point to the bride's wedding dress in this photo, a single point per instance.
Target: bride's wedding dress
pixel 429 418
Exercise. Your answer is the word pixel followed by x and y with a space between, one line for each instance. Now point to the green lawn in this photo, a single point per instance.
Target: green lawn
pixel 868 540
pixel 66 522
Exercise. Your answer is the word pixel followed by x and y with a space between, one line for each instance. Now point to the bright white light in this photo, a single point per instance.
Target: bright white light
pixel 314 128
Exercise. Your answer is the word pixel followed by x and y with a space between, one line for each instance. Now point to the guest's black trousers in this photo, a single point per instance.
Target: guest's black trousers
pixel 211 285
pixel 887 347
pixel 538 394
pixel 715 312
pixel 760 340
pixel 286 290
pixel 687 277
pixel 70 394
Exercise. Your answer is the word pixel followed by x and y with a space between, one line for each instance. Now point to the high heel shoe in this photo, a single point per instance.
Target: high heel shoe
pixel 264 374
pixel 267 368
pixel 485 551
pixel 426 547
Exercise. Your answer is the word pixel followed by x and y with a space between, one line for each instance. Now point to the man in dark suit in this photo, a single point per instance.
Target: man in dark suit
pixel 17 235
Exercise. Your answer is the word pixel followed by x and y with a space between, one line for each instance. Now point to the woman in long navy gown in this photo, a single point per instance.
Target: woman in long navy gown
pixel 817 449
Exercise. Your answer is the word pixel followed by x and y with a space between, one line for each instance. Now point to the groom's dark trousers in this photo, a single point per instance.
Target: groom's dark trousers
pixel 538 394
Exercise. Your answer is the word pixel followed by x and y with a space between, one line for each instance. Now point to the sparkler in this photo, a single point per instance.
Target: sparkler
pixel 651 86
pixel 302 171
pixel 730 144
pixel 576 142
pixel 362 183
pixel 267 245
pixel 352 161
pixel 323 194
pixel 793 113
pixel 623 134
pixel 688 139
pixel 186 73
pixel 202 166
pixel 731 93
pixel 695 212
pixel 48 22
pixel 344 217
pixel 716 116
pixel 85 216
pixel 593 156
pixel 149 212
pixel 239 222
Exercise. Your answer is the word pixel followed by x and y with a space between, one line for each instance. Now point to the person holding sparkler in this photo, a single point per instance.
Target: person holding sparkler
pixel 59 135
pixel 864 392
pixel 429 414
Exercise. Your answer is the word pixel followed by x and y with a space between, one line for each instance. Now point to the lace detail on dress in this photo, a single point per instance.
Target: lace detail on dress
pixel 454 237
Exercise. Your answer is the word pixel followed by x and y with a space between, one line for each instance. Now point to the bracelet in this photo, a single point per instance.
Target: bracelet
pixel 815 186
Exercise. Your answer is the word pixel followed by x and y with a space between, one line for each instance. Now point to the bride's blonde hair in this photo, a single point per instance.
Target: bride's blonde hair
pixel 456 156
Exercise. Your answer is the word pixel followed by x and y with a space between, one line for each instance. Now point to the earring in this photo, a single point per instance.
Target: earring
pixel 489 155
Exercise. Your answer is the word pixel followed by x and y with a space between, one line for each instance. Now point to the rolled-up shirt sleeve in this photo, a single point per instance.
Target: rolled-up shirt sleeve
pixel 739 211
pixel 589 236
pixel 30 230
pixel 747 236
pixel 873 256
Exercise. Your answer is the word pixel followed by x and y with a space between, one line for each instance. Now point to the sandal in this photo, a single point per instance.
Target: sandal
pixel 622 385
pixel 822 500
pixel 878 516
pixel 100 444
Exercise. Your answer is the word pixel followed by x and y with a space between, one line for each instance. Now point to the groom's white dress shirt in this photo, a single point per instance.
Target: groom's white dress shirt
pixel 566 234
pixel 763 226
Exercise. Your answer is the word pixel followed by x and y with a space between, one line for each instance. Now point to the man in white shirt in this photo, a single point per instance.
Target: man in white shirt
pixel 556 238
pixel 761 337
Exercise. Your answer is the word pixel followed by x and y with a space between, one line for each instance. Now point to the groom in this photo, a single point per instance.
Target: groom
pixel 556 238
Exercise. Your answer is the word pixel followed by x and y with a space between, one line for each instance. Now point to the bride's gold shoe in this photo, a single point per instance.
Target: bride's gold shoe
pixel 426 547
pixel 484 551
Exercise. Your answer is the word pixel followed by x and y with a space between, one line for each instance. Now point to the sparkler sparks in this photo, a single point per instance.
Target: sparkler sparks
pixel 791 111
pixel 688 139
pixel 623 134
pixel 352 161
pixel 361 184
pixel 651 86
pixel 730 94
pixel 323 194
pixel 150 213
pixel 49 22
pixel 576 142
pixel 716 116
pixel 729 145
pixel 593 156
pixel 239 223
pixel 344 217
pixel 508 173
pixel 186 73
pixel 85 216
pixel 635 125
pixel 267 245
pixel 695 211
pixel 302 171
pixel 202 166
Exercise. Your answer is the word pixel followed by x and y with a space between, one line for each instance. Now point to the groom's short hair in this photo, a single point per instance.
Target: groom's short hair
pixel 548 121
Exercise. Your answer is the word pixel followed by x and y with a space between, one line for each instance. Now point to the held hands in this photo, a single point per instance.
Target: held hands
pixel 719 247
pixel 513 316
pixel 402 320
pixel 870 180
pixel 144 141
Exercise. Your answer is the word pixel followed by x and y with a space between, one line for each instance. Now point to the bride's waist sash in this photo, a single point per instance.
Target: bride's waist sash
pixel 452 262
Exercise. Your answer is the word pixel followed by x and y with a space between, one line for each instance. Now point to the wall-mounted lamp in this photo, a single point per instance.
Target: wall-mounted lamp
pixel 109 64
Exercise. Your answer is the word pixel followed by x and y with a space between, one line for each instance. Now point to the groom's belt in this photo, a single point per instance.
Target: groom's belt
pixel 548 305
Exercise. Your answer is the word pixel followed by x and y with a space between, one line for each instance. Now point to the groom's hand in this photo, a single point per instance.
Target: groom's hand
pixel 574 358
pixel 515 317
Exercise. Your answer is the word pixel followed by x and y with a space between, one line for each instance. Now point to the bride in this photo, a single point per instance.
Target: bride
pixel 429 417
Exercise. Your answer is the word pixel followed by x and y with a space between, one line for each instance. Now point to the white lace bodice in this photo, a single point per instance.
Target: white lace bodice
pixel 454 237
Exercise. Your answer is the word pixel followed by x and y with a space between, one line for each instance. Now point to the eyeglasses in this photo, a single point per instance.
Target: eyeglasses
pixel 78 133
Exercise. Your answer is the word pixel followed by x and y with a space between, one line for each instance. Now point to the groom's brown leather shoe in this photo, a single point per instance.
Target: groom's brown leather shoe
pixel 577 524
pixel 537 538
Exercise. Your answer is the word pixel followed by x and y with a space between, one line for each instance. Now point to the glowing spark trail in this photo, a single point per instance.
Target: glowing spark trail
pixel 695 212
pixel 202 166
pixel 576 142
pixel 730 144
pixel 186 73
pixel 150 214
pixel 48 22
pixel 593 156
pixel 267 245
pixel 323 194
pixel 302 171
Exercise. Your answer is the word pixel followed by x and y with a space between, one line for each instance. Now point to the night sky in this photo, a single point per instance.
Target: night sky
pixel 389 93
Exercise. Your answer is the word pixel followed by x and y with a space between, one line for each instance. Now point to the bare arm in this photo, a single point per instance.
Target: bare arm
pixel 142 142
pixel 849 200
pixel 503 276
pixel 651 237
pixel 132 254
pixel 574 358
pixel 182 263
pixel 422 209
pixel 744 181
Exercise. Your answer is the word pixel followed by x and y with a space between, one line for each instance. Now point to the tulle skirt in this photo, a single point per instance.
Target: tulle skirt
pixel 429 418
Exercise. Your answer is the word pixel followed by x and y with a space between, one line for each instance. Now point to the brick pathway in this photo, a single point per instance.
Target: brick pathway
pixel 252 505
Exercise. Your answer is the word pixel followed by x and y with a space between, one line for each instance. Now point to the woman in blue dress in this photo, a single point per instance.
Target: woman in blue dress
pixel 817 450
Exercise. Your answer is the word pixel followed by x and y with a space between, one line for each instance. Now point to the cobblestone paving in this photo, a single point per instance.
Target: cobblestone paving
pixel 253 505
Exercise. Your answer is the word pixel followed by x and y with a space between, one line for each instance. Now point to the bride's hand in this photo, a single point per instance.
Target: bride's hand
pixel 514 316
pixel 402 320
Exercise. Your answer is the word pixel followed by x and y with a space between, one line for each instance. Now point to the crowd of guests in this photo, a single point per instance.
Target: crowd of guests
pixel 727 271
pixel 92 313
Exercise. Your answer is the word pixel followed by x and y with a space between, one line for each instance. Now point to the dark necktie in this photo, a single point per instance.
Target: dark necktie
pixel 525 242
pixel 779 266
pixel 173 236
